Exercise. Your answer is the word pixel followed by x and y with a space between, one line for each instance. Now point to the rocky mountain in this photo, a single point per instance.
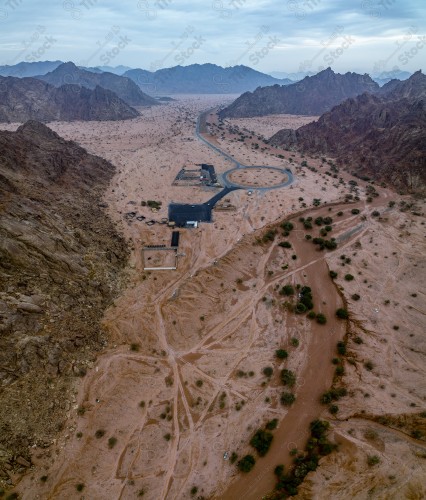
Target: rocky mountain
pixel 313 95
pixel 386 76
pixel 117 70
pixel 381 136
pixel 23 99
pixel 202 79
pixel 27 69
pixel 126 89
pixel 61 265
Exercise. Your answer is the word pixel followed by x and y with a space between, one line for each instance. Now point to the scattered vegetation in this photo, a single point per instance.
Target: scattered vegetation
pixel 317 446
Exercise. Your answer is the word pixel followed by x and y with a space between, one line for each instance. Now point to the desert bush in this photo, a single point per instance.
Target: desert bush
pixel 285 244
pixel 112 441
pixel 287 290
pixel 342 313
pixel 288 377
pixel 341 348
pixel 321 319
pixel 261 441
pixel 287 398
pixel 246 464
pixel 281 353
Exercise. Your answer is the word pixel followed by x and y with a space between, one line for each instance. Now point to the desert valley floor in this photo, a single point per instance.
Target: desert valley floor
pixel 181 385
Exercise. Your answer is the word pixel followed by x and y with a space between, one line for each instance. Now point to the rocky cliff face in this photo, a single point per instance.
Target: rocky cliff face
pixel 313 95
pixel 125 88
pixel 382 136
pixel 61 264
pixel 23 99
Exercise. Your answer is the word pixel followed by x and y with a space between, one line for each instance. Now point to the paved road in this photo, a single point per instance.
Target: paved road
pixel 238 165
pixel 202 212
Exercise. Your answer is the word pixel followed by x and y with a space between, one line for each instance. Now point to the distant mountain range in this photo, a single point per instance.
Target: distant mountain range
pixel 117 70
pixel 202 79
pixel 313 95
pixel 381 135
pixel 380 78
pixel 25 99
pixel 29 69
pixel 124 88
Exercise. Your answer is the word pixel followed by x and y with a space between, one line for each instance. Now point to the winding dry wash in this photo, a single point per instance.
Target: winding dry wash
pixel 180 385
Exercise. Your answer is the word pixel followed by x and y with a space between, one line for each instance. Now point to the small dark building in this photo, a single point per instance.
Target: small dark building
pixel 175 239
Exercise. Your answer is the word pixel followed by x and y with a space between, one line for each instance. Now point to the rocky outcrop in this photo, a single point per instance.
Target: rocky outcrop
pixel 25 99
pixel 313 95
pixel 124 88
pixel 381 136
pixel 61 264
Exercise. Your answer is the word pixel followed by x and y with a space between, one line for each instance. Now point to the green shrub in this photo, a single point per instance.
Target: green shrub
pixel 342 313
pixel 321 319
pixel 333 409
pixel 349 277
pixel 112 441
pixel 300 308
pixel 261 441
pixel 272 424
pixel 288 377
pixel 287 226
pixel 246 464
pixel 333 274
pixel 287 290
pixel 373 460
pixel 281 354
pixel 268 371
pixel 287 398
pixel 341 348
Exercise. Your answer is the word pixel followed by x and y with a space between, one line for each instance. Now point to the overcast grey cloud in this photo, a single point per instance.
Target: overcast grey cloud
pixel 269 35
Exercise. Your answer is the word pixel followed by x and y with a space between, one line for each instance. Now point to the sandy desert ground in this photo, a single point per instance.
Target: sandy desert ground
pixel 181 381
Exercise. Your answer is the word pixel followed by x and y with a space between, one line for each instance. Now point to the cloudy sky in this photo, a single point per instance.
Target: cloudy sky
pixel 269 35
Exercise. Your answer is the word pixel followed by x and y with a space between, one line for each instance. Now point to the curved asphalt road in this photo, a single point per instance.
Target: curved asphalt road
pixel 202 212
pixel 226 181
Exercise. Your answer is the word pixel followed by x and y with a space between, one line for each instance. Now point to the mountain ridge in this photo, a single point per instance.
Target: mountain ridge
pixel 379 135
pixel 123 87
pixel 32 99
pixel 311 96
